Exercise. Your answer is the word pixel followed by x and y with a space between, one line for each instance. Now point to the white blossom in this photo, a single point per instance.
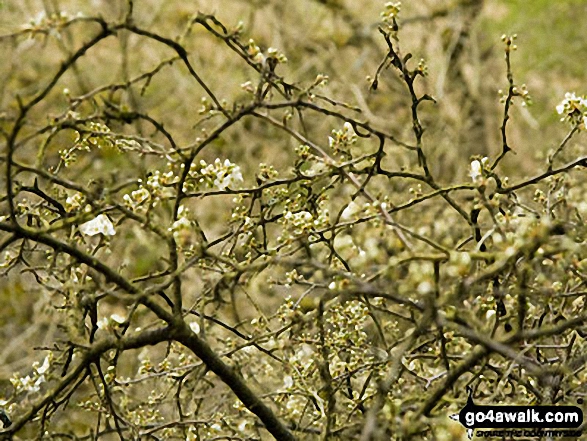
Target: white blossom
pixel 180 224
pixel 99 225
pixel 117 318
pixel 234 177
pixel 476 168
pixel 316 169
pixel 136 197
pixel 425 287
pixel 571 108
pixel 349 211
pixel 74 202
pixel 32 386
pixel 221 174
pixel 44 367
pixel 248 87
pixel 109 322
pixel 288 381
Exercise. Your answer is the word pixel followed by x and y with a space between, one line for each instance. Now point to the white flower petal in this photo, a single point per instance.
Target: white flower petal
pixel 349 211
pixel 99 225
pixel 44 367
pixel 425 287
pixel 288 381
pixel 475 170
pixel 117 318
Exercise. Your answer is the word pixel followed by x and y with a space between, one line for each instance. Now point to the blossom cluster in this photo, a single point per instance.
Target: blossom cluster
pixel 302 222
pixel 42 21
pixel 220 175
pixel 573 109
pixel 32 383
pixel 74 202
pixel 340 140
pixel 157 186
pixel 92 134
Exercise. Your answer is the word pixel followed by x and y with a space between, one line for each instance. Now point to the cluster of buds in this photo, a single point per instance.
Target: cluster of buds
pixel 342 138
pixel 273 55
pixel 43 21
pixel 206 106
pixel 300 222
pixel 157 187
pixel 137 197
pixel 96 134
pixel 520 91
pixel 266 173
pixel 422 68
pixel 509 42
pixel 93 134
pixel 390 13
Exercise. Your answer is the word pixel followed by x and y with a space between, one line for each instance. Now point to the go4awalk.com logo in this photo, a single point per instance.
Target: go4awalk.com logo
pixel 514 421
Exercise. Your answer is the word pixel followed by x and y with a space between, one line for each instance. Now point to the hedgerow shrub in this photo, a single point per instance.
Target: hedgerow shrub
pixel 242 254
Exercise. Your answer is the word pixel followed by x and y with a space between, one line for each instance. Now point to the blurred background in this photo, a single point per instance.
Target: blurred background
pixel 459 40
